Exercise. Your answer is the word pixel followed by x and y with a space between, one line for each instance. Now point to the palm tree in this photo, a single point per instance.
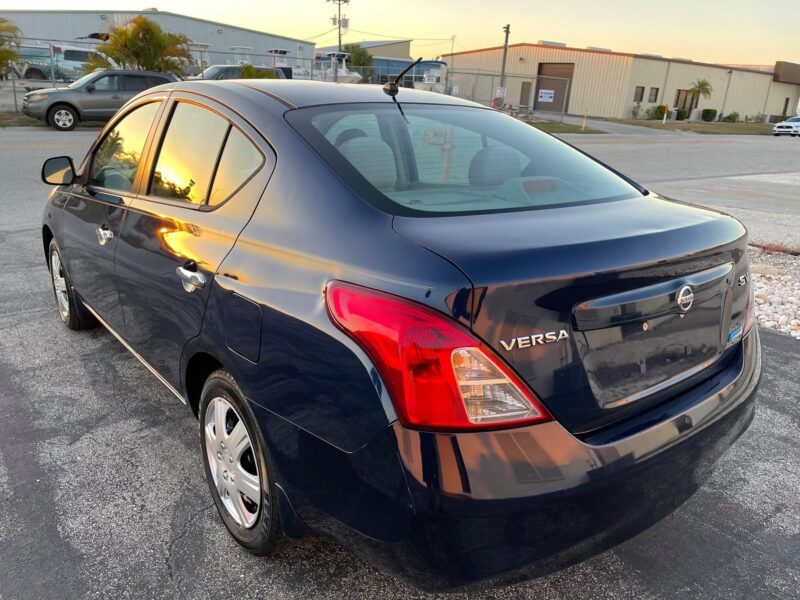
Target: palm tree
pixel 141 44
pixel 10 37
pixel 701 87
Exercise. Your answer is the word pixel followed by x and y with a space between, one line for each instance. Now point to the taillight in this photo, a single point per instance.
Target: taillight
pixel 439 375
pixel 750 310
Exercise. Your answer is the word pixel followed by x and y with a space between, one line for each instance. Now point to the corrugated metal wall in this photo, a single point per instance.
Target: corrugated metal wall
pixel 604 83
pixel 70 25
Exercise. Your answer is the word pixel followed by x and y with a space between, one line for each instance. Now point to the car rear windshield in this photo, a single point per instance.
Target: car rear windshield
pixel 432 160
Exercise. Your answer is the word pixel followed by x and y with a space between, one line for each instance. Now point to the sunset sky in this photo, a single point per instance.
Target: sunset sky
pixel 727 31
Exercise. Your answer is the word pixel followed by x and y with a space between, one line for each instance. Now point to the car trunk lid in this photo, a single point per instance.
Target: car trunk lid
pixel 603 309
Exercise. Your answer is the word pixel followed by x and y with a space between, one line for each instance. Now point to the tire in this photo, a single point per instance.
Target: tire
pixel 34 74
pixel 71 310
pixel 222 398
pixel 63 117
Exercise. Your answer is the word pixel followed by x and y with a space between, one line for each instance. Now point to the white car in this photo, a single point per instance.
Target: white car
pixel 790 126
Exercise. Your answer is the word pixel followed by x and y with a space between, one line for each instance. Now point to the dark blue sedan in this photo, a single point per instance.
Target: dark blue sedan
pixel 461 347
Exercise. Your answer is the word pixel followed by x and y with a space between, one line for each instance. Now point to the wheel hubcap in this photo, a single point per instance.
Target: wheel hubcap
pixel 63 118
pixel 232 462
pixel 59 286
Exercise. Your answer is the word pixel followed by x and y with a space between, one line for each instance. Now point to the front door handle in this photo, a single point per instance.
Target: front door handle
pixel 104 235
pixel 191 280
pixel 116 97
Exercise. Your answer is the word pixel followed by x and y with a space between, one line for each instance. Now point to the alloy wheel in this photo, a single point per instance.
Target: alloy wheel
pixel 232 462
pixel 63 118
pixel 59 285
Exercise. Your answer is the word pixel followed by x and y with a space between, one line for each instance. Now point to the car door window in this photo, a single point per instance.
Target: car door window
pixel 240 160
pixel 135 83
pixel 188 153
pixel 117 158
pixel 106 83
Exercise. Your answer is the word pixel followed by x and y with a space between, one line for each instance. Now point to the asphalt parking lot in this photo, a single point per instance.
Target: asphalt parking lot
pixel 103 484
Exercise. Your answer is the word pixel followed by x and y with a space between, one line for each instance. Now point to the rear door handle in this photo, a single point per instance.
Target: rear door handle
pixel 191 280
pixel 104 234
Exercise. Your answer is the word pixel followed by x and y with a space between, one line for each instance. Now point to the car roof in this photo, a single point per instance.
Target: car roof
pixel 295 93
pixel 131 72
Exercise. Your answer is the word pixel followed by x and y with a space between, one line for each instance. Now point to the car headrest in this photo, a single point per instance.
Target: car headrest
pixel 117 181
pixel 493 165
pixel 349 134
pixel 373 158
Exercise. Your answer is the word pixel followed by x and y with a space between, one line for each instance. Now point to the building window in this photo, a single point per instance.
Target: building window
pixel 653 95
pixel 638 95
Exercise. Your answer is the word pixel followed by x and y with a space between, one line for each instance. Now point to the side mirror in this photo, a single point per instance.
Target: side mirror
pixel 58 171
pixel 89 87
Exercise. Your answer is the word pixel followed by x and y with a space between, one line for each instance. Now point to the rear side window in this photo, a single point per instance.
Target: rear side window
pixel 433 160
pixel 188 154
pixel 76 55
pixel 117 158
pixel 239 161
pixel 135 83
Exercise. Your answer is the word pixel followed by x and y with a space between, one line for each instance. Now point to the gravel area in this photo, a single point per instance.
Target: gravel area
pixel 776 277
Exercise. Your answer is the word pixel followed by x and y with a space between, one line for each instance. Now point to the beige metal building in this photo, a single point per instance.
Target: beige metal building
pixel 602 83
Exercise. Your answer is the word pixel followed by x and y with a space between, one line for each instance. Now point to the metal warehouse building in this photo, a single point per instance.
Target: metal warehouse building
pixel 547 75
pixel 212 43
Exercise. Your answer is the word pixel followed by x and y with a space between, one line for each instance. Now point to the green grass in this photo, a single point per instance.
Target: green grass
pixel 553 127
pixel 714 128
pixel 17 119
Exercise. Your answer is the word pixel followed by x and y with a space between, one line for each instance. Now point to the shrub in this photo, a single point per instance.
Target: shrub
pixel 636 110
pixel 756 118
pixel 681 114
pixel 731 117
pixel 656 112
pixel 708 114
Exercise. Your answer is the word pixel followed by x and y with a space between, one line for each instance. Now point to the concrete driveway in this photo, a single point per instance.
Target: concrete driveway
pixel 104 493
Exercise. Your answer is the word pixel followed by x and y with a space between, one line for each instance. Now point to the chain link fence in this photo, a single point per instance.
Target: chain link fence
pixel 520 95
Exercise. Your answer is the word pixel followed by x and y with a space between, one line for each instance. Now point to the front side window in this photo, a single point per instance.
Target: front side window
pixel 188 154
pixel 117 158
pixel 107 83
pixel 452 160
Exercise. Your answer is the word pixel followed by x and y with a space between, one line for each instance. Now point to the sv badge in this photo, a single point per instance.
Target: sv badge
pixel 535 339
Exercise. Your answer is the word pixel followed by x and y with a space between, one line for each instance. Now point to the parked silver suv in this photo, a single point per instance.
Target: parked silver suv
pixel 93 97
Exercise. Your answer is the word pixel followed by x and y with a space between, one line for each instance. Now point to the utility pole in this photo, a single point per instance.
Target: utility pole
pixel 339 18
pixel 507 29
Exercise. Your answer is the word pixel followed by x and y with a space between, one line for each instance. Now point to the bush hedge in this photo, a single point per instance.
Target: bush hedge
pixel 681 114
pixel 708 114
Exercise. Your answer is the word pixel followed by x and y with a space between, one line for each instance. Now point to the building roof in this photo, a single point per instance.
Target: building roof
pixel 148 13
pixel 748 68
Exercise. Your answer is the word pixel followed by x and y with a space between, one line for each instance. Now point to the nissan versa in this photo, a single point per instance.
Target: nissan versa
pixel 459 346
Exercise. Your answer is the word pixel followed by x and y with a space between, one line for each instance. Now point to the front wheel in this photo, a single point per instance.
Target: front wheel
pixel 237 466
pixel 70 308
pixel 63 118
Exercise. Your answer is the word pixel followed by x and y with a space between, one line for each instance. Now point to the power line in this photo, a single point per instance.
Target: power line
pixel 313 37
pixel 395 37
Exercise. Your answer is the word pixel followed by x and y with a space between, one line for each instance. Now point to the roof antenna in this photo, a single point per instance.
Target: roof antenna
pixel 391 88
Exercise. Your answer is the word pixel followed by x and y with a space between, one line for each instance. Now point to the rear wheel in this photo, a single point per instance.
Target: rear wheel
pixel 71 309
pixel 63 117
pixel 237 466
pixel 34 74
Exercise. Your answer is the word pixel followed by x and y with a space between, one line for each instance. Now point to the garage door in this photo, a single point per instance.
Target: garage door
pixel 551 86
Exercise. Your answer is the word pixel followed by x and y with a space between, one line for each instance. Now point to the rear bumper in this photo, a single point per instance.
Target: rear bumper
pixel 444 511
